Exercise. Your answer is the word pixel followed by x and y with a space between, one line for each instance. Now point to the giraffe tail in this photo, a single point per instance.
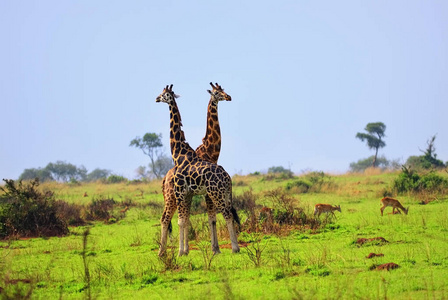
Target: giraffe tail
pixel 170 228
pixel 236 218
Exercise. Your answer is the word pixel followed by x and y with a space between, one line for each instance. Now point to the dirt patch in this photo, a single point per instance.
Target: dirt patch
pixel 375 240
pixel 372 255
pixel 388 266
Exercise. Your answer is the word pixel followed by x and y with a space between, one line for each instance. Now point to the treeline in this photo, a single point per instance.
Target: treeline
pixel 64 172
pixel 427 161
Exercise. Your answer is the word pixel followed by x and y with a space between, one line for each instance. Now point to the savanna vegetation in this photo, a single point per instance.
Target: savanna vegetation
pixel 99 240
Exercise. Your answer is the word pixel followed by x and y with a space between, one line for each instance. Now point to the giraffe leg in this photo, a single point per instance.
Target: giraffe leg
pixel 183 219
pixel 168 211
pixel 183 204
pixel 228 216
pixel 212 224
pixel 232 233
pixel 165 221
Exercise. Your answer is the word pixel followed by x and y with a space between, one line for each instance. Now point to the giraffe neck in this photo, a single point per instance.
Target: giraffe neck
pixel 211 143
pixel 180 149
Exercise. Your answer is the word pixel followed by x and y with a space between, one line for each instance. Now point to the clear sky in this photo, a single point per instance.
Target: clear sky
pixel 78 80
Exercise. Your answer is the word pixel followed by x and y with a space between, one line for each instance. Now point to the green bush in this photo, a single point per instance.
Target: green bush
pixel 410 181
pixel 311 182
pixel 302 186
pixel 115 179
pixel 25 211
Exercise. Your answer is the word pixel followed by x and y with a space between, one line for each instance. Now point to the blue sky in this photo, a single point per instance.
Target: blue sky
pixel 78 80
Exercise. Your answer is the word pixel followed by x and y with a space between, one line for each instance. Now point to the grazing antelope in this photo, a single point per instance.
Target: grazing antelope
pixel 396 205
pixel 325 208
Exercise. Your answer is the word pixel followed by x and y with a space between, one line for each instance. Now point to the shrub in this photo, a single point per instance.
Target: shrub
pixel 299 186
pixel 25 211
pixel 71 213
pixel 312 182
pixel 100 209
pixel 115 179
pixel 410 181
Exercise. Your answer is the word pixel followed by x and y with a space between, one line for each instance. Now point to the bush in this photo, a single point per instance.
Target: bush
pixel 25 211
pixel 300 186
pixel 115 179
pixel 311 182
pixel 279 172
pixel 71 213
pixel 100 209
pixel 410 181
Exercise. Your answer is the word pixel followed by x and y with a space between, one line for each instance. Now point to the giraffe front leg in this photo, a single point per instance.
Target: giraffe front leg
pixel 183 204
pixel 212 225
pixel 183 236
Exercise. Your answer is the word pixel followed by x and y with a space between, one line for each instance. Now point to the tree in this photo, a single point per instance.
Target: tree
pixel 428 160
pixel 32 173
pixel 373 137
pixel 98 174
pixel 63 171
pixel 151 145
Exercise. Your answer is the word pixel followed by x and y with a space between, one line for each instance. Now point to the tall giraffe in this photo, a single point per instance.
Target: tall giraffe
pixel 193 176
pixel 209 151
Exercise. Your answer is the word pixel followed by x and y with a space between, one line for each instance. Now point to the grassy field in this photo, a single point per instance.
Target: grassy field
pixel 118 260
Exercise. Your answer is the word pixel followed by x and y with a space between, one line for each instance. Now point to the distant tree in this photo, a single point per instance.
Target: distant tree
pixel 98 174
pixel 382 163
pixel 280 170
pixel 151 145
pixel 65 172
pixel 142 172
pixel 373 137
pixel 31 174
pixel 428 160
pixel 162 165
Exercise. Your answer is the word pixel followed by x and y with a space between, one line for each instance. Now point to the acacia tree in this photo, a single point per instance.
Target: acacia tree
pixel 151 145
pixel 373 137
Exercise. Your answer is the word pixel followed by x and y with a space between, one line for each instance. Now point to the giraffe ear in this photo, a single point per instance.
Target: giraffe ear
pixel 176 96
pixel 210 92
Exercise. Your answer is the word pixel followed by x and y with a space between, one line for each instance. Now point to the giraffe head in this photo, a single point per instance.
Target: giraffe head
pixel 167 95
pixel 218 93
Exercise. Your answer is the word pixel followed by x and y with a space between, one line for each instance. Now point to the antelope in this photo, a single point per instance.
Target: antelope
pixel 396 205
pixel 325 208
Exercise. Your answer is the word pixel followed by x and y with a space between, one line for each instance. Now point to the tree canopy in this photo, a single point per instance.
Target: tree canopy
pixel 374 135
pixel 151 145
pixel 64 172
pixel 429 158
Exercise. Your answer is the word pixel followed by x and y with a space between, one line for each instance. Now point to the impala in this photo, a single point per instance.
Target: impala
pixel 394 203
pixel 325 208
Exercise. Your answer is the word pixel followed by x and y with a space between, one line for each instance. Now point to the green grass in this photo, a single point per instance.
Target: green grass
pixel 302 264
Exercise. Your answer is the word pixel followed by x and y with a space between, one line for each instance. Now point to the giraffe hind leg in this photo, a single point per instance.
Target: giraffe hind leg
pixel 212 224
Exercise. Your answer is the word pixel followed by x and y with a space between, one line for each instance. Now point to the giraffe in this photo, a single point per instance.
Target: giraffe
pixel 193 176
pixel 209 150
